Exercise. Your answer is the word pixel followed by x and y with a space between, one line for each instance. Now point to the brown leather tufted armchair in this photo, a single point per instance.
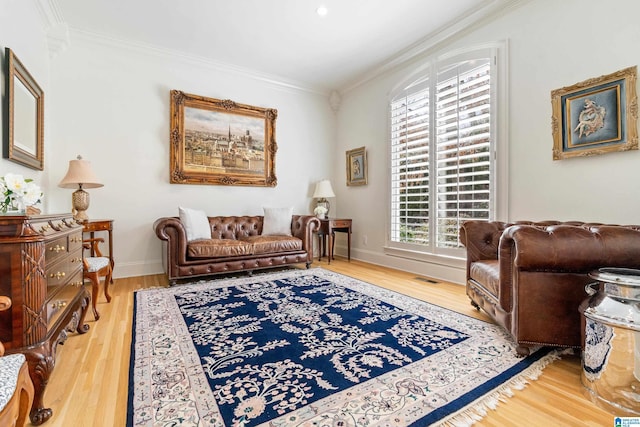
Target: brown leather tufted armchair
pixel 530 276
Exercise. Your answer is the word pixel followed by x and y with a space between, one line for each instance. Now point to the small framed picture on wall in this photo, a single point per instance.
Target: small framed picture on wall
pixel 357 166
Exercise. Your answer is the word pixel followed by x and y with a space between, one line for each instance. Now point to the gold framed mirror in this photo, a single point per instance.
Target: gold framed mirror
pixel 24 115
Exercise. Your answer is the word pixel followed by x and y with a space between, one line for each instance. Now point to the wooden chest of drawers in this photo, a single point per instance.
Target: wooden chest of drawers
pixel 41 271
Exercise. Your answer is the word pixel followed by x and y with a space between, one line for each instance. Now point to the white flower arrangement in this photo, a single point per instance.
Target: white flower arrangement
pixel 320 211
pixel 18 192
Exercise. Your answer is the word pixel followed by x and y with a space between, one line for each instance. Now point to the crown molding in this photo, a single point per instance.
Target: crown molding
pixel 50 14
pixel 90 37
pixel 488 11
pixel 54 26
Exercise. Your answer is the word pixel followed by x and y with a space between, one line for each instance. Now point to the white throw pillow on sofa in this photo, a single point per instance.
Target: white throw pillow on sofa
pixel 277 222
pixel 196 224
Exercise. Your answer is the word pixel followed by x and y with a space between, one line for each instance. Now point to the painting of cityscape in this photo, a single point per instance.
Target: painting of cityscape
pixel 221 142
pixel 215 141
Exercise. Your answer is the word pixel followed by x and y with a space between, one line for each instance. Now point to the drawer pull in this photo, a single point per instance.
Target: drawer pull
pixel 75 240
pixel 76 260
pixel 57 275
pixel 58 304
pixel 57 248
pixel 78 283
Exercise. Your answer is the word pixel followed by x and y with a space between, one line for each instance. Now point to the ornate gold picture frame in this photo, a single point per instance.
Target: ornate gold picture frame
pixel 221 142
pixel 24 115
pixel 596 116
pixel 357 166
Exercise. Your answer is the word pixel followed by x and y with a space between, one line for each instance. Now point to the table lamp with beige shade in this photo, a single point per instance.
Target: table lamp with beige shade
pixel 80 175
pixel 322 192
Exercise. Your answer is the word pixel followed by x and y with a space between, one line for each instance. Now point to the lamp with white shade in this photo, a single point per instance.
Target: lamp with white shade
pixel 80 175
pixel 323 190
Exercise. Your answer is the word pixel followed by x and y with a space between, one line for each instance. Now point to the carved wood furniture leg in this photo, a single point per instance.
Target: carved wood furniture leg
pixel 108 280
pixel 95 288
pixel 82 327
pixel 41 357
pixel 41 362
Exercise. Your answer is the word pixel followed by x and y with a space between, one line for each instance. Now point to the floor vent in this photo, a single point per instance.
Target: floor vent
pixel 424 279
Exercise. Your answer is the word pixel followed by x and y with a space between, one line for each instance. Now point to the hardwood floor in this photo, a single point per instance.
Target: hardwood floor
pixel 89 384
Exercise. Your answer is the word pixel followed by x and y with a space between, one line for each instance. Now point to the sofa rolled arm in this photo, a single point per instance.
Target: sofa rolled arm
pixel 303 227
pixel 171 230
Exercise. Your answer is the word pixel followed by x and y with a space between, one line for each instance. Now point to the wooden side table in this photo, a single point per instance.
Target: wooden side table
pixel 91 226
pixel 328 228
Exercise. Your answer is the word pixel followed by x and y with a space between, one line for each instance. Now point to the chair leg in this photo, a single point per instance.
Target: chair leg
pixel 95 287
pixel 26 395
pixel 107 281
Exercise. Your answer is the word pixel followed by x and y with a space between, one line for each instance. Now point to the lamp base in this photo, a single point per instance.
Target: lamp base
pixel 325 203
pixel 80 216
pixel 80 200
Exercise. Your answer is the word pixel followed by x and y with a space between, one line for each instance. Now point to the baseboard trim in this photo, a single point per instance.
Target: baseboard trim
pixel 442 272
pixel 133 269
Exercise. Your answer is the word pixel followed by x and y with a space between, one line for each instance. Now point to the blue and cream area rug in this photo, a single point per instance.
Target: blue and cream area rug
pixel 313 348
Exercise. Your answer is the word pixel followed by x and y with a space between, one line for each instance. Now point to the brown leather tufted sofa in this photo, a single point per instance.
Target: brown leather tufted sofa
pixel 530 276
pixel 236 244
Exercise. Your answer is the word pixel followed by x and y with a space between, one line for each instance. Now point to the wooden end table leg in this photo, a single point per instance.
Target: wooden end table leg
pixel 332 237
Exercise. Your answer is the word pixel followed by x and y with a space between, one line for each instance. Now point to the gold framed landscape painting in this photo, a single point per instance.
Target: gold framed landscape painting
pixel 221 142
pixel 596 116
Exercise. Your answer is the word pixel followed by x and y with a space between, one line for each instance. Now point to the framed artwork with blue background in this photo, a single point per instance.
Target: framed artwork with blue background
pixel 596 116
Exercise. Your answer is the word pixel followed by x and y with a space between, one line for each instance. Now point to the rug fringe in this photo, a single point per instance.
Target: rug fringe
pixel 478 410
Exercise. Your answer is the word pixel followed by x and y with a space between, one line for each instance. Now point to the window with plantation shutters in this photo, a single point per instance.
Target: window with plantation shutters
pixel 441 155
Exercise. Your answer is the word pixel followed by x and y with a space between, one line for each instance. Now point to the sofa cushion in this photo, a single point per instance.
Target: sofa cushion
pixel 277 221
pixel 217 248
pixel 487 273
pixel 271 244
pixel 196 223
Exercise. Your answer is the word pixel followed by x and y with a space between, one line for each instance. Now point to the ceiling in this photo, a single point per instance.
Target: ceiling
pixel 283 39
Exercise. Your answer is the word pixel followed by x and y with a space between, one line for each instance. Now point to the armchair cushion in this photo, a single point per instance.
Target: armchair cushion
pixel 96 263
pixel 486 272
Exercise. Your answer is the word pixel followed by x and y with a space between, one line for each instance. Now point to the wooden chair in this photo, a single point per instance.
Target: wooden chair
pixel 96 266
pixel 16 388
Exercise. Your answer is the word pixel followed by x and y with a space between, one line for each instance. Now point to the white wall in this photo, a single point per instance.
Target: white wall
pixel 111 105
pixel 110 102
pixel 21 30
pixel 552 44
